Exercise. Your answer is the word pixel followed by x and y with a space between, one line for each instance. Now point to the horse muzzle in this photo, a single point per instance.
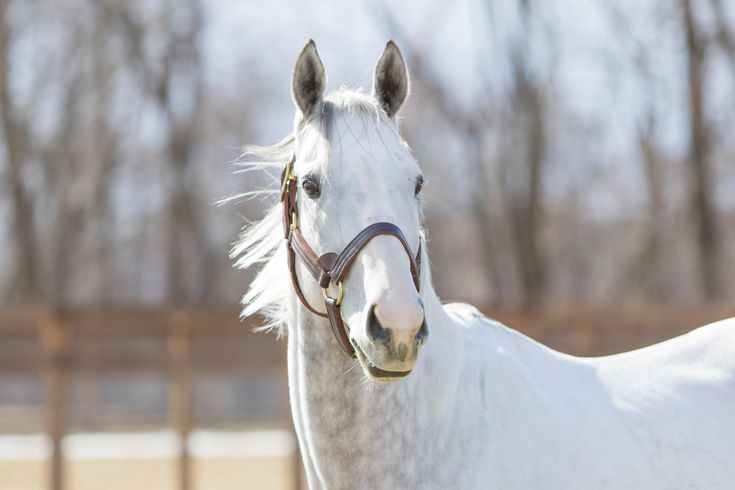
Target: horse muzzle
pixel 390 352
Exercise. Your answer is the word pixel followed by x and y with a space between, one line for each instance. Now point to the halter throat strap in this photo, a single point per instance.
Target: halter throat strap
pixel 331 267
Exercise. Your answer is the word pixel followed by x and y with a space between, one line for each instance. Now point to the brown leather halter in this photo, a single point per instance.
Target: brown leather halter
pixel 330 266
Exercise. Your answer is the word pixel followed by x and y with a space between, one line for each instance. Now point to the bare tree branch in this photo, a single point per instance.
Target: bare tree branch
pixel 699 159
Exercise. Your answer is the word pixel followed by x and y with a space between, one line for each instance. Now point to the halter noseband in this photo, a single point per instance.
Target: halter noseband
pixel 331 266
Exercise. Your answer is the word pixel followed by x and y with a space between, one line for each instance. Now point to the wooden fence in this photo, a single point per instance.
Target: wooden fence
pixel 61 336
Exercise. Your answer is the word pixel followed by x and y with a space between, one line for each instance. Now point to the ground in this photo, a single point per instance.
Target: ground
pixel 24 467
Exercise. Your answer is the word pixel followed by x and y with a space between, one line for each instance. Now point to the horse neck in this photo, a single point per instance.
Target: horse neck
pixel 339 415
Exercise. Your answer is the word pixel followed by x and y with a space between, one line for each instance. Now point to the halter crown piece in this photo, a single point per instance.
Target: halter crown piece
pixel 331 266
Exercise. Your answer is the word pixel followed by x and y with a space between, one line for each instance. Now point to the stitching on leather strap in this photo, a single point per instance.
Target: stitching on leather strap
pixel 297 286
pixel 350 252
pixel 338 326
pixel 305 253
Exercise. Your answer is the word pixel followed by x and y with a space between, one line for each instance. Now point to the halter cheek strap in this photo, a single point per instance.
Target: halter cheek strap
pixel 331 267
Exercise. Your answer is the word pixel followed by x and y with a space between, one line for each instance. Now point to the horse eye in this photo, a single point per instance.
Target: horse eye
pixel 311 188
pixel 419 185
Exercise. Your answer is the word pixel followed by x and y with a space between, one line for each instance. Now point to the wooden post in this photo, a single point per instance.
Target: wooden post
pixel 53 344
pixel 180 399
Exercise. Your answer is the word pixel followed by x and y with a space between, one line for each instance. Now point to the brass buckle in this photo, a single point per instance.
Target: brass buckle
pixel 340 293
pixel 287 178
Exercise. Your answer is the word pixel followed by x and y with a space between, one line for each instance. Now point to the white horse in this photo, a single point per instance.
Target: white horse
pixel 483 406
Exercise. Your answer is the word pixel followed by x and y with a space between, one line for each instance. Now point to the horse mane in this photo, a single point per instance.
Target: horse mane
pixel 260 243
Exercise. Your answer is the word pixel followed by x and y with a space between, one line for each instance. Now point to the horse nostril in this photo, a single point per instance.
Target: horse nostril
pixel 423 333
pixel 375 330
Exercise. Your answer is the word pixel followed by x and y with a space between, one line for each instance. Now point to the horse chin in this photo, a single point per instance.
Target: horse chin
pixel 375 373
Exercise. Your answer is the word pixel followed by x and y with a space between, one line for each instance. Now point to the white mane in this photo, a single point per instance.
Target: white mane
pixel 261 243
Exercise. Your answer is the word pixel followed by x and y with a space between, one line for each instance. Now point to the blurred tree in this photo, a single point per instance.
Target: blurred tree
pixel 16 141
pixel 522 166
pixel 700 150
pixel 173 79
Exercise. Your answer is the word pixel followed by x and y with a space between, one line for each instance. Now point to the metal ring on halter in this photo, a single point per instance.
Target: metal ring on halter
pixel 340 293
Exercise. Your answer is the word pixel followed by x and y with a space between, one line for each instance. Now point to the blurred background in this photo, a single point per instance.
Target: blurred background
pixel 580 164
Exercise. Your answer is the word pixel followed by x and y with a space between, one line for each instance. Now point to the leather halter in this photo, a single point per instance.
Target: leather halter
pixel 331 267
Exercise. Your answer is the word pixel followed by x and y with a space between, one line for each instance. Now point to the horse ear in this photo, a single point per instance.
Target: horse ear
pixel 308 80
pixel 390 81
